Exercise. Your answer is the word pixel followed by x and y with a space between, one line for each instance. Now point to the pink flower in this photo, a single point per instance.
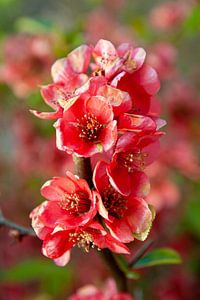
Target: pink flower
pixel 168 15
pixel 126 216
pixel 27 62
pixel 111 61
pixel 109 292
pixel 68 75
pixel 87 127
pixel 163 58
pixel 100 23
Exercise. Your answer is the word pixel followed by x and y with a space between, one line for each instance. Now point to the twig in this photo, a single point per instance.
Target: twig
pixel 83 169
pixel 23 231
pixel 119 276
pixel 141 252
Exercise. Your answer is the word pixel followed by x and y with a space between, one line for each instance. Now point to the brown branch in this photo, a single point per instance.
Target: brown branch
pixel 118 275
pixel 83 169
pixel 21 230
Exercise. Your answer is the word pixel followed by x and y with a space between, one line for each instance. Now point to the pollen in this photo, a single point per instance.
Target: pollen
pixel 75 203
pixel 89 127
pixel 82 239
pixel 114 202
pixel 129 63
pixel 132 160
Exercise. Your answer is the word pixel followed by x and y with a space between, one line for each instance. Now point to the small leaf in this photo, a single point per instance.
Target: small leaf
pixel 125 268
pixel 159 256
pixel 132 275
pixel 122 263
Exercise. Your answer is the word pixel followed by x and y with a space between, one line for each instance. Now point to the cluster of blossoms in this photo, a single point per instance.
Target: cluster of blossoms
pixel 105 109
pixel 28 65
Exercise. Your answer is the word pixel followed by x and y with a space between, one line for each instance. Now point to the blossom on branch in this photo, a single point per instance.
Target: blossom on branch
pixel 104 101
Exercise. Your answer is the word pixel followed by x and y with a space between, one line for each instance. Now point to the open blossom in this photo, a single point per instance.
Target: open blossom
pixel 132 154
pixel 71 198
pixel 109 292
pixel 87 127
pixel 126 216
pixel 51 225
pixel 68 75
pixel 141 84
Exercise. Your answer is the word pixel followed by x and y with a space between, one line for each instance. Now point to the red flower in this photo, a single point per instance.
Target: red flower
pixel 109 292
pixel 58 238
pixel 132 153
pixel 27 62
pixel 87 127
pixel 141 85
pixel 126 216
pixel 98 86
pixel 71 202
pixel 68 75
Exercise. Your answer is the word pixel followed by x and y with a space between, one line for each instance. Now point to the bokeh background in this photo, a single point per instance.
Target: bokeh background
pixel 33 34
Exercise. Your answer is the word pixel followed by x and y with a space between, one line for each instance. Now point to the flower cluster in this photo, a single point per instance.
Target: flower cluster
pixel 105 109
pixel 27 59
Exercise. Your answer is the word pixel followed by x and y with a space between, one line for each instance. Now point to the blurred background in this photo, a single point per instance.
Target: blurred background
pixel 33 34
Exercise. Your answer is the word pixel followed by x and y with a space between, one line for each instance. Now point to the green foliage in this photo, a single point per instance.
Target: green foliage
pixel 53 279
pixel 159 256
pixel 192 219
pixel 192 23
pixel 34 26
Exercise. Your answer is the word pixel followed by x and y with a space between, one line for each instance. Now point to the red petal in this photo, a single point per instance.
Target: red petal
pixel 55 245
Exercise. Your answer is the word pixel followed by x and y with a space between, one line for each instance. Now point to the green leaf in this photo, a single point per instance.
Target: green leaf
pixel 132 275
pixel 192 22
pixel 34 26
pixel 125 268
pixel 159 256
pixel 53 279
pixel 191 218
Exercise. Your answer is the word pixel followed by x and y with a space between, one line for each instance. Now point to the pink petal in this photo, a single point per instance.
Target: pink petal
pixel 138 55
pixel 62 260
pixel 79 58
pixel 47 115
pixel 105 49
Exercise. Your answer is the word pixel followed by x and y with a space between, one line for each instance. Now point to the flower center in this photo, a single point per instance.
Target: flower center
pixel 89 127
pixel 132 160
pixel 75 203
pixel 114 202
pixel 82 239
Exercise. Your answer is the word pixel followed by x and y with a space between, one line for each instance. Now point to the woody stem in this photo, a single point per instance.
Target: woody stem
pixel 23 231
